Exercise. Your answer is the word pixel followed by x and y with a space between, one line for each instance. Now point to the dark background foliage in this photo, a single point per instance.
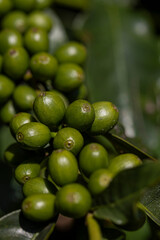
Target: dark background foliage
pixel 122 38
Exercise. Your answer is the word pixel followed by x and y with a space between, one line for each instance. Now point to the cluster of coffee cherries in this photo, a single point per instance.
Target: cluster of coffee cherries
pixel 55 156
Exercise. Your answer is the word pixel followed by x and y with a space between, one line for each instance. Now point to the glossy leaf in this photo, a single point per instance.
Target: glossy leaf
pixel 118 201
pixel 151 205
pixel 15 226
pixel 113 234
pixel 122 65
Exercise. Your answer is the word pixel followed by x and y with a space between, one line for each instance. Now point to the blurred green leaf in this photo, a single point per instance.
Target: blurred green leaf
pixel 150 203
pixel 113 234
pixel 15 226
pixel 122 64
pixel 57 35
pixel 118 201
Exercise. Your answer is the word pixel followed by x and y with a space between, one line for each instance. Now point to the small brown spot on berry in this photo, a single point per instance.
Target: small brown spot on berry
pixel 69 144
pixel 86 107
pixel 20 136
pixel 12 52
pixel 26 178
pixel 42 94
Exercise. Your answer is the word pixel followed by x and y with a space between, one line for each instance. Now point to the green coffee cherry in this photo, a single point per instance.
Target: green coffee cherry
pixel 49 108
pixel 9 38
pixel 26 171
pixel 40 19
pixel 42 4
pixel 36 40
pixel 80 115
pixel 6 88
pixel 124 161
pixel 71 52
pixel 43 66
pixel 33 135
pixel 15 20
pixel 92 157
pixel 15 62
pixel 106 117
pixel 14 155
pixel 38 185
pixel 63 167
pixel 99 181
pixel 39 207
pixel 73 200
pixel 24 97
pixel 62 96
pixel 7 111
pixel 25 5
pixel 5 6
pixel 18 120
pixel 69 77
pixel 70 139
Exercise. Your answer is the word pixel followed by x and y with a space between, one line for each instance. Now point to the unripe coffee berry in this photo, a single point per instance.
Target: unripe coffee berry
pixel 73 200
pixel 106 117
pixel 49 108
pixel 63 167
pixel 69 77
pixel 33 135
pixel 20 119
pixel 39 207
pixel 92 157
pixel 123 161
pixel 71 52
pixel 80 115
pixel 70 139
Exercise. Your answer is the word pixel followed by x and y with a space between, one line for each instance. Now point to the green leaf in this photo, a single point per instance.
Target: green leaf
pixel 113 213
pixel 122 145
pixel 119 200
pixel 150 203
pixel 122 65
pixel 15 226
